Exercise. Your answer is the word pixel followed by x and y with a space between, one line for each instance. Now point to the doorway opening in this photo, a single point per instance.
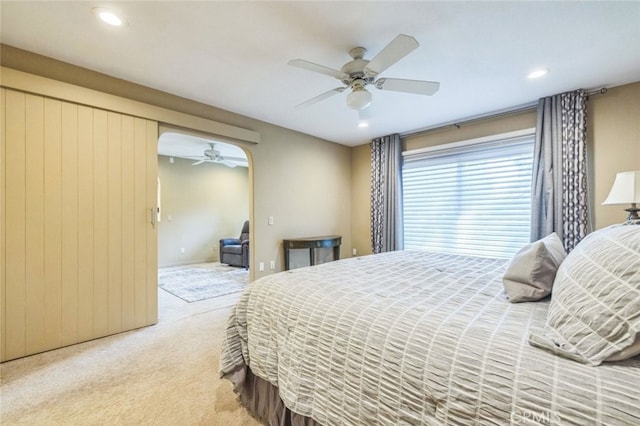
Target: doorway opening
pixel 203 198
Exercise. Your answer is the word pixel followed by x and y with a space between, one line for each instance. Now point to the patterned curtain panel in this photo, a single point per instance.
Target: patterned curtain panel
pixel 559 188
pixel 386 194
pixel 575 205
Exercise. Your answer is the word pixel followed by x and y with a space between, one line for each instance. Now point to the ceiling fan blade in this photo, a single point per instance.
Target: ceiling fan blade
pixel 321 97
pixel 228 163
pixel 399 47
pixel 418 87
pixel 198 162
pixel 310 66
pixel 235 159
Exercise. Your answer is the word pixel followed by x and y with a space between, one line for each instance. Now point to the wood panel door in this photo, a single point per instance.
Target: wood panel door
pixel 78 249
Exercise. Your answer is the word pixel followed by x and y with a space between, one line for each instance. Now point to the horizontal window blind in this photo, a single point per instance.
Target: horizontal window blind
pixel 472 200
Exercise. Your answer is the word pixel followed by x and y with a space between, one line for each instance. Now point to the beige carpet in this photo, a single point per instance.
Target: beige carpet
pixel 165 374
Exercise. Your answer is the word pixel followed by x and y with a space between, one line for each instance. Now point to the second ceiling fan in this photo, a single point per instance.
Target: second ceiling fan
pixel 359 73
pixel 212 155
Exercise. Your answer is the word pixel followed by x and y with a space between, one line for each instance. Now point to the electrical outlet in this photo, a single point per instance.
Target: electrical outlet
pixel 270 221
pixel 272 265
pixel 182 250
pixel 354 251
pixel 261 266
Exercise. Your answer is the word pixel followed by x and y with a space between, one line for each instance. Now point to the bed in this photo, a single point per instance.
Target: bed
pixel 416 338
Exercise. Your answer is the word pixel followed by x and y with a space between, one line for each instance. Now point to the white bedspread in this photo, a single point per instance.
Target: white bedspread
pixel 416 338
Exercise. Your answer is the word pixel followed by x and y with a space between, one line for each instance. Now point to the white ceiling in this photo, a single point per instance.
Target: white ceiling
pixel 234 55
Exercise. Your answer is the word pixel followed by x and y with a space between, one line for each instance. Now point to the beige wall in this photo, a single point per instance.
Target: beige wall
pixel 199 206
pixel 304 184
pixel 472 130
pixel 613 134
pixel 360 199
pixel 302 181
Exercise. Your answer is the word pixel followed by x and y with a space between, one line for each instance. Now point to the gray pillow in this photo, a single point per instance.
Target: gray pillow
pixel 529 276
pixel 594 315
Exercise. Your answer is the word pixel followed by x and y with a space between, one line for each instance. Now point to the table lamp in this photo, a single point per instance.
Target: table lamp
pixel 626 190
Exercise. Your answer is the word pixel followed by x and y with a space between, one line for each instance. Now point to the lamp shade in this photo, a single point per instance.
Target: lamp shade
pixel 625 189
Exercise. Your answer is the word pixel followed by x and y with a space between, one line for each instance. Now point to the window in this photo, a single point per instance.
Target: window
pixel 469 198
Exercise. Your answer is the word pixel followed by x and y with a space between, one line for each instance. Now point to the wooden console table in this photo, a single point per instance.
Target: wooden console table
pixel 312 243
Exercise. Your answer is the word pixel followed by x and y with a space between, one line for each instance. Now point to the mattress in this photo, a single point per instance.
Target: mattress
pixel 415 338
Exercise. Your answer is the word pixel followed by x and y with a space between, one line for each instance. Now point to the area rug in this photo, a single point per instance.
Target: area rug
pixel 194 284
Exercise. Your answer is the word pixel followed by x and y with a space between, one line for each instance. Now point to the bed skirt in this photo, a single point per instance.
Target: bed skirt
pixel 262 400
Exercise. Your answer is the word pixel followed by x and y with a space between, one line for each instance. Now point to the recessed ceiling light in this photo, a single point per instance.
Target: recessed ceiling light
pixel 363 124
pixel 108 16
pixel 538 73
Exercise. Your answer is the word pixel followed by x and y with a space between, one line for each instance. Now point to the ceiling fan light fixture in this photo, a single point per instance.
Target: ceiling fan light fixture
pixel 359 99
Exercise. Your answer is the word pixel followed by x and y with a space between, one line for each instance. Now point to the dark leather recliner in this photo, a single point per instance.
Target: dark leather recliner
pixel 235 251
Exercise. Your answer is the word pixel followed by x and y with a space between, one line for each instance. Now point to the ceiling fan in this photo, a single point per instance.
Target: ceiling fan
pixel 212 155
pixel 359 73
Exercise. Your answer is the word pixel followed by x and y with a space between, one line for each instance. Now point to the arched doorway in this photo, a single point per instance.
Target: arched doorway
pixel 204 196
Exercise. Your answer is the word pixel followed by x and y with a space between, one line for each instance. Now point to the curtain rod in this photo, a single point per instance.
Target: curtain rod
pixel 495 114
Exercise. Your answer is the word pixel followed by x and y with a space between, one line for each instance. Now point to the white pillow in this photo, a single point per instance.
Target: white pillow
pixel 529 276
pixel 594 315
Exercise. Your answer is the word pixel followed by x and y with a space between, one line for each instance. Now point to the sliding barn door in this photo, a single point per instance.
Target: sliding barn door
pixel 79 251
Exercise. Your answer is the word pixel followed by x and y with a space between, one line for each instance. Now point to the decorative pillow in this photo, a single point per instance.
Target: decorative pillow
pixel 530 274
pixel 594 315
